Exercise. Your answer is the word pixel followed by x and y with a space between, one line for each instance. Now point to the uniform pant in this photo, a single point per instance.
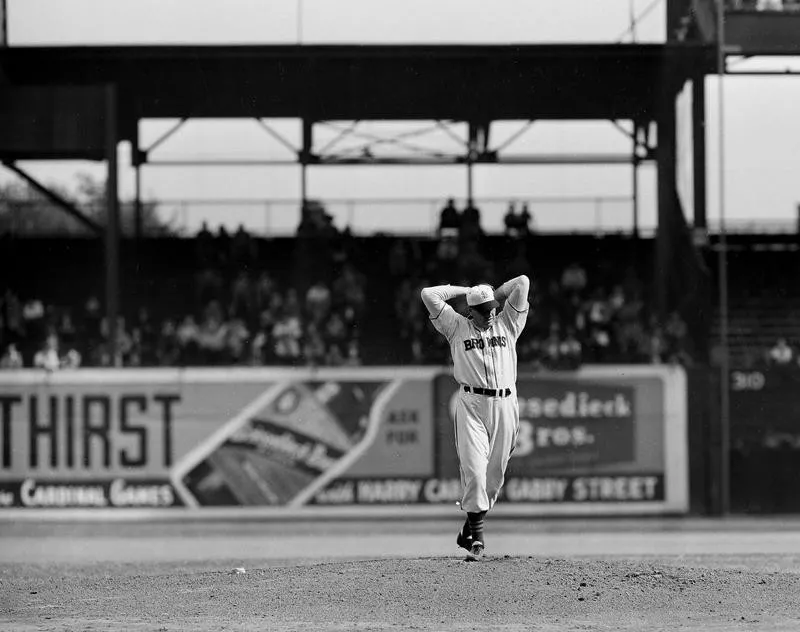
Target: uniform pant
pixel 486 429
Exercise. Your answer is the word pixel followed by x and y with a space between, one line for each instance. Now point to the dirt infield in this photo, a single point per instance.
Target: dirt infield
pixel 330 586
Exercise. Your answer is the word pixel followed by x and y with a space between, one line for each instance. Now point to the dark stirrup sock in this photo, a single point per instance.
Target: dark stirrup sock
pixel 475 520
pixel 466 532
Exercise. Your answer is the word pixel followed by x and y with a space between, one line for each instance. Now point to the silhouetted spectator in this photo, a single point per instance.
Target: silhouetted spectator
pixel 471 223
pixel 510 221
pixel 525 221
pixel 223 246
pixel 205 250
pixel 242 250
pixel 449 220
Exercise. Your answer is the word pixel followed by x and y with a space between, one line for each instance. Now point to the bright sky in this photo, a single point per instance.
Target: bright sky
pixel 761 126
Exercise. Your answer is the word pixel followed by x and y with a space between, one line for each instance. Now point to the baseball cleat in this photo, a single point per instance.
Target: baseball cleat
pixel 476 552
pixel 464 541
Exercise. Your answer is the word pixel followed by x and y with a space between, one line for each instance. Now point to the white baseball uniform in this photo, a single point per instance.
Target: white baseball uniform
pixel 487 410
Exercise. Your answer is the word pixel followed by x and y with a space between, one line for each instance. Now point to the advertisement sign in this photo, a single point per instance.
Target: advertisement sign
pixel 603 439
pixel 609 439
pixel 205 437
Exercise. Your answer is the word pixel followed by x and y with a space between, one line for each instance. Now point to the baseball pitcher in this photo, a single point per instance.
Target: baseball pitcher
pixel 483 347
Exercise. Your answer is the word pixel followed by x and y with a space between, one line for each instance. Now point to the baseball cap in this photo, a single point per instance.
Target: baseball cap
pixel 481 296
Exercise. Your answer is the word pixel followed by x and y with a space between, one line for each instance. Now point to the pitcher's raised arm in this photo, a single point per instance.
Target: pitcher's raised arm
pixel 515 291
pixel 443 317
pixel 435 297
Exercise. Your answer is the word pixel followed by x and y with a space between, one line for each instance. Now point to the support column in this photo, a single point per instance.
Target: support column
pixel 699 151
pixel 666 188
pixel 635 183
pixel 112 223
pixel 138 220
pixel 305 159
pixel 477 149
pixel 3 23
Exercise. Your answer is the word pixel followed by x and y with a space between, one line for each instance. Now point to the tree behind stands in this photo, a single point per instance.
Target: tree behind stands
pixel 26 212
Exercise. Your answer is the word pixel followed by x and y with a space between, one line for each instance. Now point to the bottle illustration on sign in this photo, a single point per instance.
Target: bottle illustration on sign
pixel 284 446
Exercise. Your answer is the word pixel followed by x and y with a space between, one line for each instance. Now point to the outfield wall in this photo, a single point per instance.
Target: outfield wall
pixel 602 440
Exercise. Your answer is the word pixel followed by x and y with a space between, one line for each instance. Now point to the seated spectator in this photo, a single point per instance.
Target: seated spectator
pixel 286 336
pixel 781 354
pixel 335 334
pixel 212 337
pixel 353 357
pixel 264 289
pixel 676 340
pixel 348 289
pixel 187 336
pixel 208 286
pixel 168 349
pixel 11 358
pixel 570 351
pixel 65 329
pixel 125 345
pixel 34 325
pixel 292 302
pixel 629 330
pixel 318 302
pixel 334 356
pixel 90 333
pixel 573 279
pixel 530 353
pixel 273 311
pixel 72 360
pixel 242 299
pixel 551 348
pixel 237 341
pixel 147 336
pixel 314 351
pixel 47 357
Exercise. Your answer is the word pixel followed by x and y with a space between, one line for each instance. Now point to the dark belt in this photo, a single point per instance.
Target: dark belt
pixel 489 392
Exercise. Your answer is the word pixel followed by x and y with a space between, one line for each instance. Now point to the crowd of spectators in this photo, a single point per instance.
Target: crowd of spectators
pixel 241 316
pixel 248 316
pixel 763 5
pixel 574 319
